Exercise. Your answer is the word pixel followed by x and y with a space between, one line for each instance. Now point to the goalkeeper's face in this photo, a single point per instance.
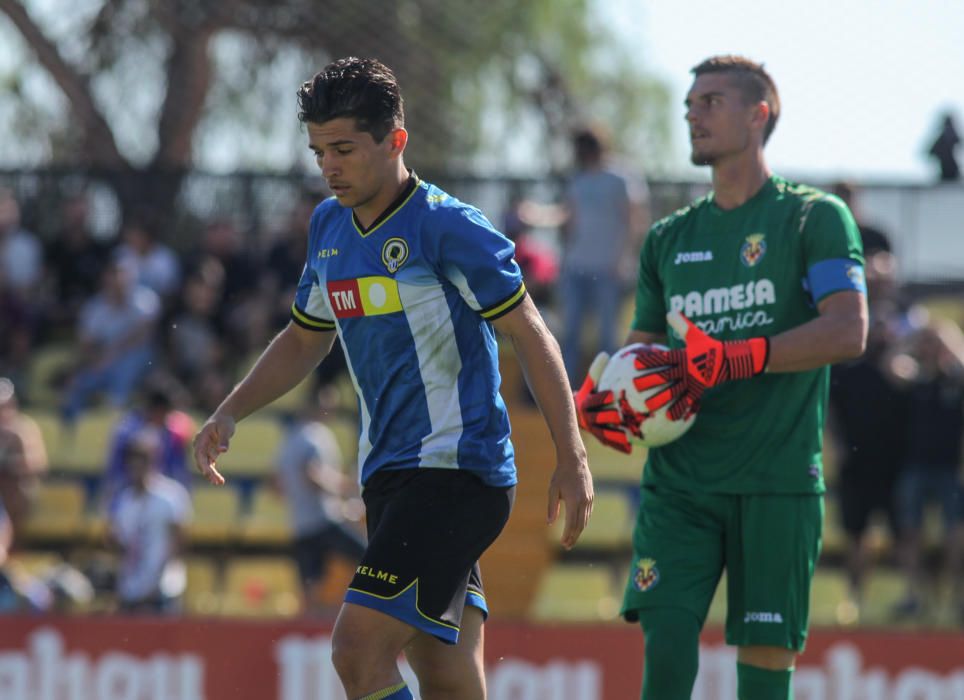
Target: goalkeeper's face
pixel 359 170
pixel 721 123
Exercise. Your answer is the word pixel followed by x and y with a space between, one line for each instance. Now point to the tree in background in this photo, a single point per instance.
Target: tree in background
pixel 138 92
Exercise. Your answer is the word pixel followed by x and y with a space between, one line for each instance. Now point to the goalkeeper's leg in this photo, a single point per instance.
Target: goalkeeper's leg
pixel 671 652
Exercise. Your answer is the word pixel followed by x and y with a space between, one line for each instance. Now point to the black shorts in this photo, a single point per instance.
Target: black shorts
pixel 427 529
pixel 864 490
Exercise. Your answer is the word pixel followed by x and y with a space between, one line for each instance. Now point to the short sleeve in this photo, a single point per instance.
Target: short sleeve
pixel 480 262
pixel 832 249
pixel 309 309
pixel 650 315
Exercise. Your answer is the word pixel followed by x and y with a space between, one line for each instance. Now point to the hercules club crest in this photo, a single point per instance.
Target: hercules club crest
pixel 394 254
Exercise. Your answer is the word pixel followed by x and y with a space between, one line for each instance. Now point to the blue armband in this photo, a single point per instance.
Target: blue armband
pixel 836 275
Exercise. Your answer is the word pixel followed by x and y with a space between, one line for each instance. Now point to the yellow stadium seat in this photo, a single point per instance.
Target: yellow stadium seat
pixel 85 449
pixel 267 522
pixel 46 363
pixel 217 511
pixel 610 526
pixel 202 596
pixel 34 563
pixel 57 512
pixel 261 587
pixel 253 448
pixel 575 593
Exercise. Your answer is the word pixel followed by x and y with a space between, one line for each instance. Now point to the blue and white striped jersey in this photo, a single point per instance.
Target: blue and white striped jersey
pixel 412 298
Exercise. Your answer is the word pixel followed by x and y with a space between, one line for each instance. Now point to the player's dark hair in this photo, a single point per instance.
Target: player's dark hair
pixel 752 80
pixel 589 143
pixel 363 89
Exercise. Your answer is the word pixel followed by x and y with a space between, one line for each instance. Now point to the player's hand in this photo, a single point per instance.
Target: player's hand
pixel 703 363
pixel 210 443
pixel 571 484
pixel 597 410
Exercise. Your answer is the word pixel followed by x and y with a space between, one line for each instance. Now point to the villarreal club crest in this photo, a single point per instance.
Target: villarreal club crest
pixel 753 249
pixel 646 575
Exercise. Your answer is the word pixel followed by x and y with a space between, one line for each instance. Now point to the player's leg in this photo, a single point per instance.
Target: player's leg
pixel 773 542
pixel 677 562
pixel 365 646
pixel 451 672
pixel 427 529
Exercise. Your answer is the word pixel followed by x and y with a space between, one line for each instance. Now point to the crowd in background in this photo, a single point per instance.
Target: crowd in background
pixel 164 334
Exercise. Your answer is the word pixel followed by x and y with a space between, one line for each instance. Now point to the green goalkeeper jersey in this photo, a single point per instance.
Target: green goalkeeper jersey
pixel 756 270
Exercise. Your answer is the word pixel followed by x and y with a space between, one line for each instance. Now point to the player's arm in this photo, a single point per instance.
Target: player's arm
pixel 542 366
pixel 292 354
pixel 839 333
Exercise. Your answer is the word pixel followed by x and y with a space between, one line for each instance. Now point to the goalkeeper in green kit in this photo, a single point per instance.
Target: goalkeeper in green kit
pixel 756 288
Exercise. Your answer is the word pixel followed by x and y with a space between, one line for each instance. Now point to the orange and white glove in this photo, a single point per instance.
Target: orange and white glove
pixel 704 362
pixel 597 410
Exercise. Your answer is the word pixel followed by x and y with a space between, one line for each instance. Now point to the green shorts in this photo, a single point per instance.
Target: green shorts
pixel 768 545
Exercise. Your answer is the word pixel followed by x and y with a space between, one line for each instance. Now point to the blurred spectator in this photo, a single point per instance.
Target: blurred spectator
pixel 538 261
pixel 23 456
pixel 149 527
pixel 874 239
pixel 172 428
pixel 247 313
pixel 322 500
pixel 932 366
pixel 115 331
pixel 943 150
pixel 19 322
pixel 156 266
pixel 286 258
pixel 605 217
pixel 76 261
pixel 868 419
pixel 21 255
pixel 196 353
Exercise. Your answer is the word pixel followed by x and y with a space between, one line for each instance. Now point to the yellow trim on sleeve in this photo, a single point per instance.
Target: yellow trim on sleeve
pixel 320 324
pixel 501 308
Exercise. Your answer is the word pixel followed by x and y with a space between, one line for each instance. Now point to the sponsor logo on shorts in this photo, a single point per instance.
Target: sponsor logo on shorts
pixel 372 572
pixel 773 618
pixel 753 249
pixel 646 575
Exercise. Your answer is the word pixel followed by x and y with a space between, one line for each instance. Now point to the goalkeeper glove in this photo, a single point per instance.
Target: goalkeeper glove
pixel 597 411
pixel 704 362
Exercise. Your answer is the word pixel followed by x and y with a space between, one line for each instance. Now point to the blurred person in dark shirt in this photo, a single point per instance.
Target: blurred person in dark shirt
pixel 75 260
pixel 931 365
pixel 868 417
pixel 874 239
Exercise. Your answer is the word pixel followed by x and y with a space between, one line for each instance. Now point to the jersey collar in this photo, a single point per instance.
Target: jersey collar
pixel 403 197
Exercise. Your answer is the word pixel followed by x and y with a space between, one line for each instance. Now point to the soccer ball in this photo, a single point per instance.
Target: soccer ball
pixel 655 427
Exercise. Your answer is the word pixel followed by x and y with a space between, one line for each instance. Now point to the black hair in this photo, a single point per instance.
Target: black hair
pixel 360 88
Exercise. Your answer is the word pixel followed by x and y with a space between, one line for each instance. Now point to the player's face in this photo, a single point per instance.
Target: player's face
pixel 720 120
pixel 359 171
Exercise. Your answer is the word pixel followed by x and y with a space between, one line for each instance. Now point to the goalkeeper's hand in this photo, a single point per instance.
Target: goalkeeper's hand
pixel 703 363
pixel 597 410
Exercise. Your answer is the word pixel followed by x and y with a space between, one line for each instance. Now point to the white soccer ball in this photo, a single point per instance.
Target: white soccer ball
pixel 655 427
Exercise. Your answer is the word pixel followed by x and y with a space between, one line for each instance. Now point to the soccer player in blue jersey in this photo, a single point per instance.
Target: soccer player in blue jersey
pixel 415 284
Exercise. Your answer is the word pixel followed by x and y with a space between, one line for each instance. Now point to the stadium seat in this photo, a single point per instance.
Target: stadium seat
pixel 217 510
pixel 253 448
pixel 57 512
pixel 47 361
pixel 85 449
pixel 202 596
pixel 267 521
pixel 576 593
pixel 261 587
pixel 610 527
